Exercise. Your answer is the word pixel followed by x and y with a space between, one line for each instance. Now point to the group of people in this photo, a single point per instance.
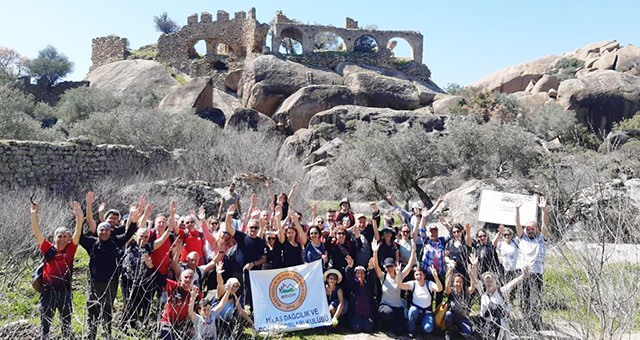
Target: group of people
pixel 378 274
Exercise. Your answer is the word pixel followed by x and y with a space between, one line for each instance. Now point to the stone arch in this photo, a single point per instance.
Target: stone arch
pixel 290 41
pixel 367 44
pixel 326 41
pixel 198 48
pixel 400 48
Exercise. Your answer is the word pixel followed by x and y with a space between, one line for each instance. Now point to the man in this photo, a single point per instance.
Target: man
pixel 112 216
pixel 229 198
pixel 362 235
pixel 532 253
pixel 433 255
pixel 201 271
pixel 56 272
pixel 251 251
pixel 174 323
pixel 104 256
pixel 345 211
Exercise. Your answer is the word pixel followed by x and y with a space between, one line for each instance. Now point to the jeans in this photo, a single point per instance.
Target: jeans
pixel 458 322
pixel 361 323
pixel 391 318
pixel 50 300
pixel 419 316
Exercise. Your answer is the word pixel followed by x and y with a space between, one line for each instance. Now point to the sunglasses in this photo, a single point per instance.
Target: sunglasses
pixel 507 234
pixel 340 233
pixel 215 222
pixel 188 222
pixel 405 231
pixel 253 227
pixel 313 233
pixel 482 236
pixel 271 238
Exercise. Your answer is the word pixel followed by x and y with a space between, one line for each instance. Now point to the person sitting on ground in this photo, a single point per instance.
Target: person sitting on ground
pixel 459 299
pixel 56 271
pixel 173 323
pixel 494 307
pixel 231 308
pixel 390 310
pixel 338 306
pixel 361 287
pixel 421 310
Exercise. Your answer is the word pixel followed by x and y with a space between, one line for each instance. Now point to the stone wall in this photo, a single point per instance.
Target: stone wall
pixel 105 50
pixel 331 59
pixel 284 27
pixel 65 165
pixel 228 41
pixel 42 92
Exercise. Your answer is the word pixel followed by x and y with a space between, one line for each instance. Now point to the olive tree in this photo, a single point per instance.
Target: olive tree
pixel 50 66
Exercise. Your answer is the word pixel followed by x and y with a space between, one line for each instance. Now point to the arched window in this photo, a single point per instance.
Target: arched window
pixel 291 41
pixel 400 49
pixel 367 44
pixel 328 41
pixel 198 50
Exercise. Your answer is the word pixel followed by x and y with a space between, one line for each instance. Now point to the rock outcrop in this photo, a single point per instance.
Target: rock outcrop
pixel 183 98
pixel 516 78
pixel 130 76
pixel 381 91
pixel 250 119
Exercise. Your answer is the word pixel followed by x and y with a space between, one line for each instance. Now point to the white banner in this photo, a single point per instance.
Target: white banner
pixel 500 207
pixel 289 299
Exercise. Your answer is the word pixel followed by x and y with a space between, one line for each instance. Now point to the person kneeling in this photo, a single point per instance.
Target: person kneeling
pixel 421 310
pixel 362 297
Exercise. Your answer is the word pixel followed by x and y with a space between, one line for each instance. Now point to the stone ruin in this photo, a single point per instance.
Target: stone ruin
pixel 230 41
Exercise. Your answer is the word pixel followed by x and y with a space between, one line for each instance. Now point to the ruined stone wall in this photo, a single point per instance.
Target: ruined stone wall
pixel 42 92
pixel 306 34
pixel 227 40
pixel 332 58
pixel 105 50
pixel 65 165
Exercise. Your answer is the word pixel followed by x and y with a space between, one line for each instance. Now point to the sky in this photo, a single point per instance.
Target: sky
pixel 464 40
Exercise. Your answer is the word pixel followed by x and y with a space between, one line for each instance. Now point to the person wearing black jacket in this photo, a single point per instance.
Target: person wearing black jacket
pixel 103 270
pixel 362 297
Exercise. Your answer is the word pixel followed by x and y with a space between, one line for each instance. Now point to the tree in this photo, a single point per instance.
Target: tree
pixel 327 41
pixel 50 65
pixel 165 24
pixel 366 44
pixel 11 62
pixel 389 163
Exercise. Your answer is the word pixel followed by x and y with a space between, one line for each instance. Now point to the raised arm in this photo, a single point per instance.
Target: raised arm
pixel 192 303
pixel 519 230
pixel 498 237
pixel 448 280
pixel 376 233
pixel 173 207
pixel 400 277
pixel 218 308
pixel 375 246
pixel 159 241
pixel 467 238
pixel 291 192
pixel 101 209
pixel 509 286
pixel 148 211
pixel 473 273
pixel 436 279
pixel 301 234
pixel 76 209
pixel 545 217
pixel 35 226
pixel 228 222
pixel 90 198
pixel 412 259
pixel 219 270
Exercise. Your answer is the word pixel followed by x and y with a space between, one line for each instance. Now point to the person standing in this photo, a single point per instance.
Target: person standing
pixel 104 256
pixel 532 254
pixel 56 270
pixel 231 197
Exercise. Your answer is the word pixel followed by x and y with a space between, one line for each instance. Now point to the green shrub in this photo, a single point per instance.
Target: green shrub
pixel 80 103
pixel 147 52
pixel 483 105
pixel 631 123
pixel 13 99
pixel 552 121
pixel 566 68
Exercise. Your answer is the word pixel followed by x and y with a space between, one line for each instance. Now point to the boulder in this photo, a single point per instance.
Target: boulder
pixel 463 202
pixel 296 111
pixel 127 76
pixel 532 101
pixel 232 80
pixel 267 81
pixel 380 91
pixel 299 145
pixel 341 118
pixel 445 105
pixel 426 94
pixel 224 102
pixel 607 61
pixel 546 83
pixel 250 119
pixel 601 98
pixel 328 150
pixel 593 50
pixel 183 98
pixel 628 59
pixel 516 78
pixel 347 68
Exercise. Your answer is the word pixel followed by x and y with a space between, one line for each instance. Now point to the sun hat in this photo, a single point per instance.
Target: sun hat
pixel 335 272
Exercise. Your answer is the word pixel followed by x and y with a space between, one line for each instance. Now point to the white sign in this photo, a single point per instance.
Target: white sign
pixel 500 208
pixel 289 299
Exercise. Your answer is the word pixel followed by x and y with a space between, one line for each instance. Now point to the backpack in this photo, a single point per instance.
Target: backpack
pixel 36 277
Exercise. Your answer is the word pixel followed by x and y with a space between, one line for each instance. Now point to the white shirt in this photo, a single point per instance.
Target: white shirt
pixel 496 299
pixel 532 253
pixel 508 254
pixel 204 329
pixel 422 294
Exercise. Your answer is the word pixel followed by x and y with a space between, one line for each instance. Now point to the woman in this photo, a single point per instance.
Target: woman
pixel 56 270
pixel 390 310
pixel 274 251
pixel 459 299
pixel 361 286
pixel 458 248
pixel 388 247
pixel 494 307
pixel 421 311
pixel 292 237
pixel 486 252
pixel 507 249
pixel 404 244
pixel 315 249
pixel 335 296
pixel 338 248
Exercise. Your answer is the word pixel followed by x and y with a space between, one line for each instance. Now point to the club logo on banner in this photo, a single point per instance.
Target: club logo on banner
pixel 288 291
pixel 282 302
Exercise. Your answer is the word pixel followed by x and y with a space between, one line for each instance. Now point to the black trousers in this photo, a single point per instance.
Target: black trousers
pixel 100 306
pixel 50 301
